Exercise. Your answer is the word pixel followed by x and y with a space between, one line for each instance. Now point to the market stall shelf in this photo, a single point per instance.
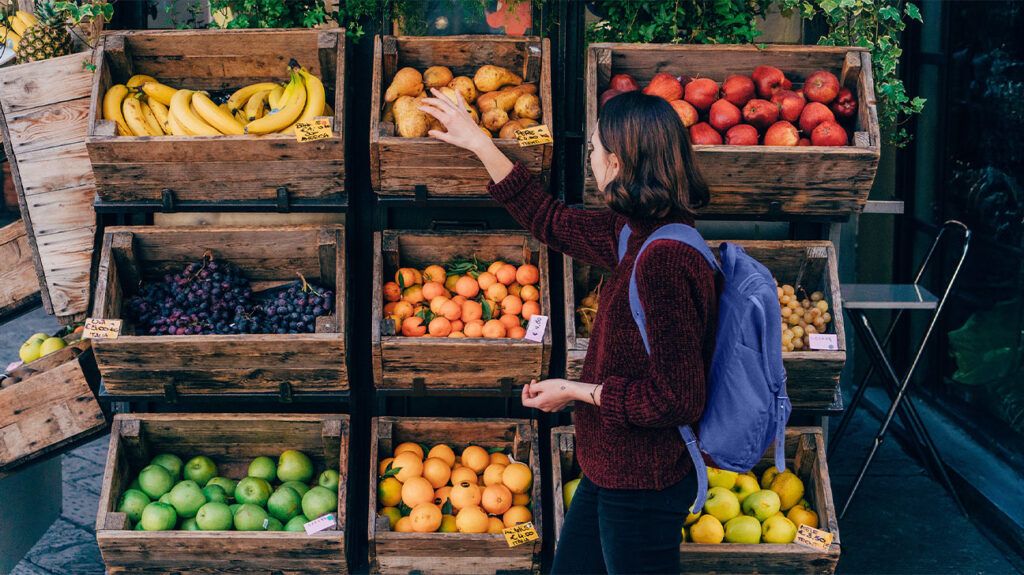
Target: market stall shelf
pixel 805 456
pixel 445 553
pixel 19 284
pixel 758 181
pixel 472 365
pixel 271 170
pixel 812 375
pixel 139 364
pixel 399 164
pixel 232 441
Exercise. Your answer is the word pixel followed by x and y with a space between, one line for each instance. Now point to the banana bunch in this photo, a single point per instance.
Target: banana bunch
pixel 145 107
pixel 587 310
pixel 15 26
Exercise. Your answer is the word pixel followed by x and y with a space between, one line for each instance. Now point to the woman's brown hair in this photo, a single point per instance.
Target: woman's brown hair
pixel 657 177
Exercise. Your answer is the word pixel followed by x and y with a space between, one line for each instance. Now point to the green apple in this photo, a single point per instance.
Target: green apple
pixel 215 516
pixel 299 487
pixel 761 504
pixel 778 529
pixel 189 524
pixel 132 503
pixel 295 466
pixel 51 345
pixel 329 479
pixel 227 484
pixel 722 504
pixel 187 498
pixel 296 524
pixel 253 490
pixel 721 478
pixel 568 491
pixel 274 525
pixel 170 462
pixel 137 486
pixel 138 527
pixel 158 517
pixel 165 499
pixel 234 508
pixel 200 469
pixel 155 481
pixel 745 485
pixel 29 350
pixel 215 493
pixel 250 517
pixel 284 504
pixel 264 468
pixel 743 529
pixel 319 501
pixel 38 336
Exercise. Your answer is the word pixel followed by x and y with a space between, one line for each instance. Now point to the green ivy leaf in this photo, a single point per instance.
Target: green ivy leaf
pixel 487 310
pixel 496 450
pixel 912 12
pixel 889 13
pixel 391 471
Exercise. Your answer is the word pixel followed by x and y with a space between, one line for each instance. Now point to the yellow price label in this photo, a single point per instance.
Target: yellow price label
pixel 318 128
pixel 519 534
pixel 534 136
pixel 814 538
pixel 96 328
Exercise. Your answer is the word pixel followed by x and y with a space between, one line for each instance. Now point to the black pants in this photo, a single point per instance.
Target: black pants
pixel 624 530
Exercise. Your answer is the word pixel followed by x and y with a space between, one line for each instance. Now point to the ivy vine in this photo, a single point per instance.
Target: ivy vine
pixel 675 21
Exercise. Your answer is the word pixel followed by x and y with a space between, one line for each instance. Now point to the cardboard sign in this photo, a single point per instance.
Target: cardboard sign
pixel 534 136
pixel 101 328
pixel 814 538
pixel 320 524
pixel 318 128
pixel 825 341
pixel 519 534
pixel 536 328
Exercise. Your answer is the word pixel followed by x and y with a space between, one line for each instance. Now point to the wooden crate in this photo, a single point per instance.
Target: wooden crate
pixel 232 441
pixel 398 165
pixel 470 364
pixel 813 376
pixel 445 553
pixel 805 456
pixel 19 285
pixel 758 180
pixel 147 365
pixel 217 168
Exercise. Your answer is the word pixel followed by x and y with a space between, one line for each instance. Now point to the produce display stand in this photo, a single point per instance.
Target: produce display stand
pixel 232 440
pixel 805 456
pixel 445 553
pixel 19 285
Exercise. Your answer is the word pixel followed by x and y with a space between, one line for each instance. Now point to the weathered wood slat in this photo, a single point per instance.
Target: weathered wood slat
pixel 19 284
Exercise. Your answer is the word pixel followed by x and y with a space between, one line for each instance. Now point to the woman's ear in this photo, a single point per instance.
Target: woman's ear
pixel 612 171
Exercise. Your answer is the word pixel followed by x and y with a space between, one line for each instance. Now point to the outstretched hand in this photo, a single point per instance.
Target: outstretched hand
pixel 462 131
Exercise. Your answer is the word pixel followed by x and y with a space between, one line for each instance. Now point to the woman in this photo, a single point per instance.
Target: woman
pixel 637 484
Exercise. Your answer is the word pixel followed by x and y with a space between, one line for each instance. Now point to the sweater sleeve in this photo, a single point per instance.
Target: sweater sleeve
pixel 674 283
pixel 590 236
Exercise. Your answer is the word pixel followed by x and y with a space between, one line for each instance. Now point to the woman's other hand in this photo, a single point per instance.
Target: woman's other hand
pixel 462 131
pixel 551 394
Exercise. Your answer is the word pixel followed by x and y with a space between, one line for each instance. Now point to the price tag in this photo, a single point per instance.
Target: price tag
pixel 320 524
pixel 534 136
pixel 814 538
pixel 318 128
pixel 101 328
pixel 826 341
pixel 536 328
pixel 519 534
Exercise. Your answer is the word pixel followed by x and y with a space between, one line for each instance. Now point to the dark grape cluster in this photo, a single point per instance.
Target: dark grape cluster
pixel 213 297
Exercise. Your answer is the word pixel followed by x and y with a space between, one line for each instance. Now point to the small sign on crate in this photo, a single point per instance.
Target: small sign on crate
pixel 536 328
pixel 520 534
pixel 320 524
pixel 96 328
pixel 535 136
pixel 824 341
pixel 814 538
pixel 318 128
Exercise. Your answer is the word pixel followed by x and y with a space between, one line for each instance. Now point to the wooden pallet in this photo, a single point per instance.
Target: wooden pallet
pixel 805 456
pixel 445 553
pixel 19 284
pixel 757 180
pixel 428 364
pixel 813 376
pixel 217 168
pixel 43 111
pixel 232 441
pixel 135 364
pixel 398 165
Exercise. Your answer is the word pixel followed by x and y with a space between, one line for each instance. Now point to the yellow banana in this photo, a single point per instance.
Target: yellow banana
pixel 152 120
pixel 254 107
pixel 29 19
pixel 161 113
pixel 160 92
pixel 136 81
pixel 17 24
pixel 233 115
pixel 316 99
pixel 7 33
pixel 289 112
pixel 216 116
pixel 112 108
pixel 189 120
pixel 274 98
pixel 132 109
pixel 241 96
pixel 176 128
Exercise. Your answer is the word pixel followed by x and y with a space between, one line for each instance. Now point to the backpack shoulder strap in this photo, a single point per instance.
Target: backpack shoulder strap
pixel 624 234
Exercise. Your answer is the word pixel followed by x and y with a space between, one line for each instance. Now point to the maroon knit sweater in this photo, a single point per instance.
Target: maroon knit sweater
pixel 631 441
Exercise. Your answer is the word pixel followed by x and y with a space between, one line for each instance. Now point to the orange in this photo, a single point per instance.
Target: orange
pixel 476 458
pixel 407 277
pixel 492 475
pixel 499 457
pixel 389 308
pixel 409 465
pixel 459 299
pixel 410 446
pixel 463 474
pixel 442 495
pixel 486 280
pixel 437 472
pixel 457 326
pixel 433 289
pixel 439 327
pixel 404 525
pixel 426 518
pixel 389 492
pixel 467 287
pixel 515 289
pixel 435 273
pixel 444 453
pixel 403 309
pixel 384 463
pixel 515 515
pixel 496 499
pixel 497 292
pixel 506 274
pixel 450 282
pixel 495 308
pixel 392 292
pixel 511 304
pixel 494 267
pixel 520 499
pixel 529 293
pixel 495 526
pixel 527 274
pixel 436 303
pixel 530 309
pixel 393 515
pixel 471 310
pixel 417 490
pixel 517 332
pixel 450 310
pixel 413 326
pixel 472 520
pixel 517 477
pixel 457 335
pixel 492 329
pixel 413 294
pixel 474 328
pixel 465 494
pixel 509 321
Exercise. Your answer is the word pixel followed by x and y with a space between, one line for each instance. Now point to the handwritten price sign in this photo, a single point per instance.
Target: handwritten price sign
pixel 814 538
pixel 519 534
pixel 534 136
pixel 318 128
pixel 101 328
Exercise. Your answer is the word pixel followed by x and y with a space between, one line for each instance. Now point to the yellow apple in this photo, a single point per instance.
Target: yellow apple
pixel 692 518
pixel 778 530
pixel 790 489
pixel 743 529
pixel 722 504
pixel 51 345
pixel 768 475
pixel 762 504
pixel 29 351
pixel 745 485
pixel 707 530
pixel 721 478
pixel 802 516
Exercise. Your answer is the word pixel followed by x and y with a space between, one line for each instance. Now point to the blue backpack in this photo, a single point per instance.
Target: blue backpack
pixel 747 406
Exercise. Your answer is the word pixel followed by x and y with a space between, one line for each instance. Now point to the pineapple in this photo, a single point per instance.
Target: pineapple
pixel 48 38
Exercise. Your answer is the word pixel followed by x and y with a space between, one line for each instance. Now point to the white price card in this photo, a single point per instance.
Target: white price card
pixel 825 341
pixel 536 328
pixel 320 524
pixel 101 328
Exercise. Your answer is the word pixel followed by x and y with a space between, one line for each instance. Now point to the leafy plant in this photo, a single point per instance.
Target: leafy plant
pixel 677 22
pixel 90 11
pixel 271 13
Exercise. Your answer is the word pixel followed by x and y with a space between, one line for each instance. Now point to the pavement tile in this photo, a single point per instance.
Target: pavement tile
pixel 68 549
pixel 79 506
pixel 29 568
pixel 82 473
pixel 95 451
